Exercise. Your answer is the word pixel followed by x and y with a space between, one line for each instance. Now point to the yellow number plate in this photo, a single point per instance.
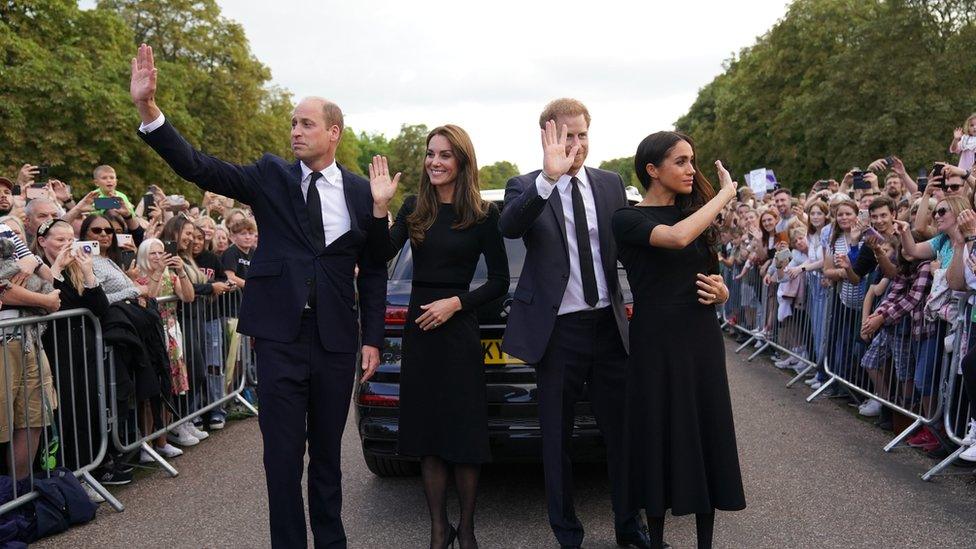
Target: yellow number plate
pixel 493 353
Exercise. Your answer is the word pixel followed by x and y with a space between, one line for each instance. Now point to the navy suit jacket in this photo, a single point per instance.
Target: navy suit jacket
pixel 286 266
pixel 540 223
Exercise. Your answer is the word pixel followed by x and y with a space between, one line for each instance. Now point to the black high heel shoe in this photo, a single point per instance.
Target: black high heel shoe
pixel 451 536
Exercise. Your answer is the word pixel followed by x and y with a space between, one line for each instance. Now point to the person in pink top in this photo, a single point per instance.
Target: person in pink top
pixel 964 143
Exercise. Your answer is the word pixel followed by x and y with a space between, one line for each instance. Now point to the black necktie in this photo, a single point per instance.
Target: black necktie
pixel 313 204
pixel 590 293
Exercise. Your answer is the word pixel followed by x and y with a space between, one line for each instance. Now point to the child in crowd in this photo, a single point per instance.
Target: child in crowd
pixel 237 258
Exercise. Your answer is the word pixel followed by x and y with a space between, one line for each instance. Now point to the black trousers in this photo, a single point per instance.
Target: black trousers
pixel 304 394
pixel 585 351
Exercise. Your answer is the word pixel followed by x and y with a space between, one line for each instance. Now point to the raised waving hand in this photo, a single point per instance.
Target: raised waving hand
pixel 142 84
pixel 556 161
pixel 382 185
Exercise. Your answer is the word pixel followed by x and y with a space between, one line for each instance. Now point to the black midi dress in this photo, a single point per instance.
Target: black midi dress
pixel 679 435
pixel 443 402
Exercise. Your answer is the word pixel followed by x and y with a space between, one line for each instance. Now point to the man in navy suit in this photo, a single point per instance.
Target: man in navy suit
pixel 567 316
pixel 317 225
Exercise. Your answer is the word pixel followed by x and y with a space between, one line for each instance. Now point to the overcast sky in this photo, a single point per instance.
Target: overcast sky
pixel 490 67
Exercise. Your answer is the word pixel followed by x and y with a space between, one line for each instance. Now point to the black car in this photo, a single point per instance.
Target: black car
pixel 513 421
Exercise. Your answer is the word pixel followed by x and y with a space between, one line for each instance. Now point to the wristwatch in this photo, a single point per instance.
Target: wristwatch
pixel 971 238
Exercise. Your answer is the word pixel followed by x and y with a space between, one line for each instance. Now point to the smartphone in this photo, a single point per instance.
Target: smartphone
pixel 937 170
pixel 859 181
pixel 43 173
pixel 15 191
pixel 889 161
pixel 126 257
pixel 169 246
pixel 923 179
pixel 123 239
pixel 148 201
pixel 872 232
pixel 36 190
pixel 88 247
pixel 108 203
pixel 864 216
pixel 782 256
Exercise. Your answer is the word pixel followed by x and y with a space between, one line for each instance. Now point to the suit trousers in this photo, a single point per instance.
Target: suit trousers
pixel 304 394
pixel 584 351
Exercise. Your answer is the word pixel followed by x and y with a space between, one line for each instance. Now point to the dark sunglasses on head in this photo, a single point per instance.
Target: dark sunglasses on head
pixel 940 212
pixel 101 230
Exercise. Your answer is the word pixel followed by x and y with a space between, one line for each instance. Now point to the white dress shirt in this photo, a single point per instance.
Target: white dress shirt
pixel 335 214
pixel 573 299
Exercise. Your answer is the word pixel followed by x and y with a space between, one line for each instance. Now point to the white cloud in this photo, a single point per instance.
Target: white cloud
pixel 491 66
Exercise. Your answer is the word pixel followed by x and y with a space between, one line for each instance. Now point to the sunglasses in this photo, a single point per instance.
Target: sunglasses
pixel 940 212
pixel 101 230
pixel 953 187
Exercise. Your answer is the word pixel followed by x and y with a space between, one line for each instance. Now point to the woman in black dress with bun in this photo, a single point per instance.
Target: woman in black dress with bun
pixel 681 440
pixel 443 404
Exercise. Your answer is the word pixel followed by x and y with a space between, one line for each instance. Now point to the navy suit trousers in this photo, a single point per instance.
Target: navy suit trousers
pixel 304 393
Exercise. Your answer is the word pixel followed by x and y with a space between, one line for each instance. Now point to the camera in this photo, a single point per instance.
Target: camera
pixel 859 181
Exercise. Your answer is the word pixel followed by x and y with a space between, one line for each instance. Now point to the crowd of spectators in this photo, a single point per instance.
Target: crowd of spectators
pixel 866 276
pixel 96 248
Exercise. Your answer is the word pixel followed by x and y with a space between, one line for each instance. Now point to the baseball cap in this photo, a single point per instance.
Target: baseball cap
pixel 7 183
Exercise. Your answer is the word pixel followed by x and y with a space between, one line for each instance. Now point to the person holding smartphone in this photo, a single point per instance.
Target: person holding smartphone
pixel 106 182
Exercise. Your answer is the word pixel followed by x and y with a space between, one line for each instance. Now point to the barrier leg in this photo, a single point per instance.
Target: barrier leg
pixel 146 447
pixel 823 387
pixel 243 401
pixel 943 464
pixel 800 375
pixel 903 435
pixel 748 342
pixel 100 490
pixel 758 352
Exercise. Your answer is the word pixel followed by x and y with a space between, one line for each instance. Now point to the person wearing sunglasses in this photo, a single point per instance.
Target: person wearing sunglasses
pixel 945 180
pixel 117 286
pixel 940 248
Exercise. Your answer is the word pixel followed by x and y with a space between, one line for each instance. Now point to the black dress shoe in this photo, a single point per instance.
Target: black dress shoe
pixel 635 538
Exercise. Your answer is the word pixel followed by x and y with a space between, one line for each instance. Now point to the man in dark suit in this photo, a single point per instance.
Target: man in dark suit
pixel 317 225
pixel 568 316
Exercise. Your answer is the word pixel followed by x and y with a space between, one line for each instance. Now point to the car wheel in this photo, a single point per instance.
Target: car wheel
pixel 390 467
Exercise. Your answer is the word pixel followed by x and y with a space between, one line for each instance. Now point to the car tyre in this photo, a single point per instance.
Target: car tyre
pixel 391 467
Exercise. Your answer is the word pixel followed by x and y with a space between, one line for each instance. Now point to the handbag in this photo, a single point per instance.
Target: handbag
pixel 61 502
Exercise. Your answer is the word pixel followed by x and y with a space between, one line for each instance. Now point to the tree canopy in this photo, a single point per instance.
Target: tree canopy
pixel 836 84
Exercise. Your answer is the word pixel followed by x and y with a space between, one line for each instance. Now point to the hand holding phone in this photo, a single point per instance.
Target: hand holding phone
pixel 87 247
pixel 108 203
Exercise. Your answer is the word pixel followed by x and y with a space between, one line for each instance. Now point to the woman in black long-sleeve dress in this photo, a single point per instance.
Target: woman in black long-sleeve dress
pixel 443 409
pixel 679 431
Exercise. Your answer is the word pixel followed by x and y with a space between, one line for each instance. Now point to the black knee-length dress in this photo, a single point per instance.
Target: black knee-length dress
pixel 680 438
pixel 443 403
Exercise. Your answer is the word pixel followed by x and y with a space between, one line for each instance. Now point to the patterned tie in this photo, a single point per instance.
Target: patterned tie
pixel 313 204
pixel 590 293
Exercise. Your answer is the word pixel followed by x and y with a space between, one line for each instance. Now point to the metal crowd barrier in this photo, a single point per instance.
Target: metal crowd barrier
pixel 958 407
pixel 54 400
pixel 219 364
pixel 901 367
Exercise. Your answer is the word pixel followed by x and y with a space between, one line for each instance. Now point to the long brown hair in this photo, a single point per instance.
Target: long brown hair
pixel 653 150
pixel 469 208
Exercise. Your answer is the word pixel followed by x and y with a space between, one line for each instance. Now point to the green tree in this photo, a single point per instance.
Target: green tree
pixel 349 151
pixel 406 155
pixel 836 84
pixel 495 176
pixel 370 145
pixel 624 167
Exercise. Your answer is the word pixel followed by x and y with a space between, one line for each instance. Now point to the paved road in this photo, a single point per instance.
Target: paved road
pixel 815 476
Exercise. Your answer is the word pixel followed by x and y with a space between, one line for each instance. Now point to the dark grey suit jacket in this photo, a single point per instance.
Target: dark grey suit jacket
pixel 540 223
